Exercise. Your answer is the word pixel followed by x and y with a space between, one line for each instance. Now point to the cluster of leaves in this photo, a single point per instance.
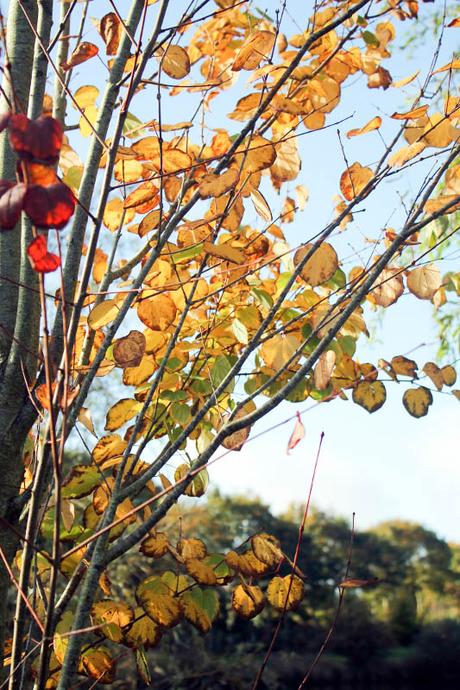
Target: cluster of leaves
pixel 47 201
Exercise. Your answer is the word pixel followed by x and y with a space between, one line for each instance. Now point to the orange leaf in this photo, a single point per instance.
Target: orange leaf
pixel 110 30
pixel 369 127
pixel 411 114
pixel 83 52
pixel 41 259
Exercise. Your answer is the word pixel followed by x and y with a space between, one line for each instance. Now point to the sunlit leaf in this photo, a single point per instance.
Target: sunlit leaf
pixel 200 607
pixel 370 395
pixel 248 601
pixel 417 401
pixel 285 593
pixel 321 266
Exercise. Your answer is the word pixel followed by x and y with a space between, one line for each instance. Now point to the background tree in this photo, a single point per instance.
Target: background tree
pixel 169 271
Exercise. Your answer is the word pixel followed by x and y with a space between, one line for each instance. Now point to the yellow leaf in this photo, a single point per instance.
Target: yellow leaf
pixel 286 167
pixel 201 572
pixel 417 401
pixel 175 62
pixel 108 447
pixel 302 196
pixel 405 81
pixel 144 632
pixel 406 153
pixel 91 115
pixel 157 600
pixel 212 185
pixel 255 49
pixel 85 96
pixel 285 593
pixel 157 311
pixel 248 601
pixel 449 375
pixel 267 549
pixel 155 546
pixel 84 417
pixel 135 376
pixel 320 267
pixel 128 171
pixel 103 313
pixel 404 366
pixel 434 373
pixel 388 287
pixel 277 351
pixel 424 281
pixel 237 440
pixel 98 664
pixel 116 616
pixel 370 394
pixel 172 161
pixel 354 180
pixel 115 214
pixel 373 124
pixel 453 64
pixel 246 563
pixel 256 154
pixel 411 114
pixel 192 548
pixel 224 251
pixel 121 412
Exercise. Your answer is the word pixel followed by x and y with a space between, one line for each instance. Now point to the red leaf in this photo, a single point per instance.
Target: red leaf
pixel 297 435
pixel 40 139
pixel 51 206
pixel 41 259
pixel 11 202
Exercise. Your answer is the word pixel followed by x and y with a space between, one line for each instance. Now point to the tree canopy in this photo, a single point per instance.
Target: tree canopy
pixel 146 202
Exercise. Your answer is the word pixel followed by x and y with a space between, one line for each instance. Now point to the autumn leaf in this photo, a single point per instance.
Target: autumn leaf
pixel 83 52
pixel 110 29
pixel 40 258
pixel 417 401
pixel 354 180
pixel 285 593
pixel 248 601
pixel 370 126
pixel 297 435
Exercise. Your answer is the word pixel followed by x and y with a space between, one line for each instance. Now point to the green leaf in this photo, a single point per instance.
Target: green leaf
pixel 221 368
pixel 262 297
pixel 200 607
pixel 180 413
pixel 371 39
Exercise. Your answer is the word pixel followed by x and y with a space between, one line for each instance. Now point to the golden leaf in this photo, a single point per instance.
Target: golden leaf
pixel 155 546
pixel 201 572
pixel 157 311
pixel 320 267
pixel 144 632
pixel 255 49
pixel 248 601
pixel 261 206
pixel 417 401
pixel 424 281
pixel 121 412
pixel 116 616
pixel 98 664
pixel 277 351
pixel 224 251
pixel 354 180
pixel 157 600
pixel 449 375
pixel 411 114
pixel 108 447
pixel 285 593
pixel 175 62
pixel 404 366
pixel 267 549
pixel 212 185
pixel 370 395
pixel 103 314
pixel 434 373
pixel 192 548
pixel 388 287
pixel 373 124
